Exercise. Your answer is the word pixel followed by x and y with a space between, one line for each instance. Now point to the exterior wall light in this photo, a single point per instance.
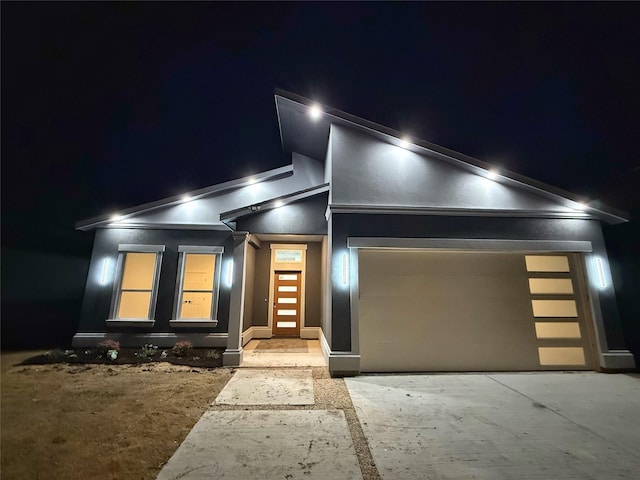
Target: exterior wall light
pixel 315 112
pixel 602 279
pixel 105 272
pixel 230 273
pixel 345 269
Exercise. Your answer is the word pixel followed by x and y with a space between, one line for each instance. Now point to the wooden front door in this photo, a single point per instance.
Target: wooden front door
pixel 286 304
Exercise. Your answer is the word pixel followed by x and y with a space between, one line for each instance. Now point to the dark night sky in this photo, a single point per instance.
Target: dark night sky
pixel 109 105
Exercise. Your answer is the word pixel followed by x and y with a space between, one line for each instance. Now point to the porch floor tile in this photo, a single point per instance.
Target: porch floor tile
pixel 264 358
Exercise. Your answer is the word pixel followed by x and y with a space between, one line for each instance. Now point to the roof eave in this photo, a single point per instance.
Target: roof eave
pixel 105 220
pixel 602 212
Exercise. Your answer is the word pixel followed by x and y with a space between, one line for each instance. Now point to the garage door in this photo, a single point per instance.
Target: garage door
pixel 453 311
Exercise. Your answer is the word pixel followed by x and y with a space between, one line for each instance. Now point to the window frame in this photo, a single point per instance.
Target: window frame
pixel 183 251
pixel 123 250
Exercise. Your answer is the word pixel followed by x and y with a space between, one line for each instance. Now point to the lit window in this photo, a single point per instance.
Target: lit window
pixel 136 290
pixel 198 284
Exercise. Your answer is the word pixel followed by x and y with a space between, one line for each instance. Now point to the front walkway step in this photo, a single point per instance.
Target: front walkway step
pixel 268 387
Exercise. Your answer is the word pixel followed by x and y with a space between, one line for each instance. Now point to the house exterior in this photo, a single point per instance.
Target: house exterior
pixel 399 255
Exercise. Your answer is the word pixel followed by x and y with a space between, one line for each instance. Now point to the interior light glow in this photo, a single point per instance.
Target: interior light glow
pixel 105 271
pixel 601 277
pixel 315 112
pixel 344 269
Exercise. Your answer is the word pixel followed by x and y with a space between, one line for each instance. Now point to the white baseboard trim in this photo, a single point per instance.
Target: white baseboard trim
pixel 341 364
pixel 255 332
pixel 324 345
pixel 91 339
pixel 310 333
pixel 618 360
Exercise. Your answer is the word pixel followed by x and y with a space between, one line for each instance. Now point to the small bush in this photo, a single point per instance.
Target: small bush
pixel 56 355
pixel 213 354
pixel 182 348
pixel 147 352
pixel 106 345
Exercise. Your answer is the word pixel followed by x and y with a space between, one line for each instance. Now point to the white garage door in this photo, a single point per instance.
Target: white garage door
pixel 452 311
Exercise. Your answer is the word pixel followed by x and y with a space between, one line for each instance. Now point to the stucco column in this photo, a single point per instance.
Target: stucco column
pixel 232 356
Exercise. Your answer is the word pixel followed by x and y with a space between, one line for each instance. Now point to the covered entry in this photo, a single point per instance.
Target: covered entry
pixel 424 310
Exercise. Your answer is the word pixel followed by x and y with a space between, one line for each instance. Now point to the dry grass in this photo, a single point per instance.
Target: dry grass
pixel 98 421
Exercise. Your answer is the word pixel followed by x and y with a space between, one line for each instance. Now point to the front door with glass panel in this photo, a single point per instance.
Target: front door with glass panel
pixel 286 304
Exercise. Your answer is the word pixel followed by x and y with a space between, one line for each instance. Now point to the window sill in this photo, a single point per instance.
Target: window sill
pixel 123 322
pixel 193 323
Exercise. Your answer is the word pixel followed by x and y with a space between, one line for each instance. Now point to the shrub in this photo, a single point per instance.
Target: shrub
pixel 56 355
pixel 147 352
pixel 106 345
pixel 182 348
pixel 213 354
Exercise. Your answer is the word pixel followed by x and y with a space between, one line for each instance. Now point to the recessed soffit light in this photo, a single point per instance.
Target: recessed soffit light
pixel 315 111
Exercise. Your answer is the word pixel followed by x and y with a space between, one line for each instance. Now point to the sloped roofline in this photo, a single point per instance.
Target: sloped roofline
pixel 103 220
pixel 287 100
pixel 274 202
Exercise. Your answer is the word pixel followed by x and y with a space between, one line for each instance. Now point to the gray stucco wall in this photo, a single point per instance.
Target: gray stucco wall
pixel 97 298
pixel 305 217
pixel 366 171
pixel 313 286
pixel 417 226
pixel 261 286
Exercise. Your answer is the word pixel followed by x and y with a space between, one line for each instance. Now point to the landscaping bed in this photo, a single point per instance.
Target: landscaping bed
pixel 110 353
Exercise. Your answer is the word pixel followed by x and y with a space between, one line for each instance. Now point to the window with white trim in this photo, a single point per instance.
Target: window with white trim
pixel 136 289
pixel 196 301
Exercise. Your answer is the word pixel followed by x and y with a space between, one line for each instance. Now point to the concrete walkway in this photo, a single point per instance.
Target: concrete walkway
pixel 481 426
pixel 263 443
pixel 501 426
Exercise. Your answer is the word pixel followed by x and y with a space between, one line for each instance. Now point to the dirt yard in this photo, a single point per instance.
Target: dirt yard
pixel 98 421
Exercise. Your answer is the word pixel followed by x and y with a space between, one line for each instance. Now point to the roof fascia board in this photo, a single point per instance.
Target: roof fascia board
pixel 472 244
pixel 274 174
pixel 609 214
pixel 169 226
pixel 270 204
pixel 460 212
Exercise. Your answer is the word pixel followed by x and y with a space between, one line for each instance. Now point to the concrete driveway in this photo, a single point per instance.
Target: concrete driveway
pixel 501 426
